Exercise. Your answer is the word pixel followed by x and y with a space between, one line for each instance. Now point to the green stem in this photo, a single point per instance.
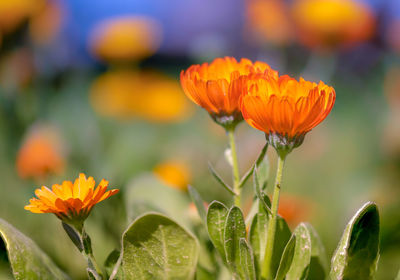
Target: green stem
pixel 235 166
pixel 266 269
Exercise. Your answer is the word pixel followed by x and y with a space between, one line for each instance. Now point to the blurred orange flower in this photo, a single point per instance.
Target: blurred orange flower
pixel 286 109
pixel 125 38
pixel 15 12
pixel 332 23
pixel 46 23
pixel 268 20
pixel 218 86
pixel 70 202
pixel 125 94
pixel 40 154
pixel 173 173
pixel 295 209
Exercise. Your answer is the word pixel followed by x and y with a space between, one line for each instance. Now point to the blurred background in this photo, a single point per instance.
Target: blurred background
pixel 93 87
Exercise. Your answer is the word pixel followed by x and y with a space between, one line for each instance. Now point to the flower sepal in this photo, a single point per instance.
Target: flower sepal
pixel 228 121
pixel 284 144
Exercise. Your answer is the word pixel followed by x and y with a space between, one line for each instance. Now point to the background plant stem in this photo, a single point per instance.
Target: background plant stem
pixel 235 166
pixel 266 269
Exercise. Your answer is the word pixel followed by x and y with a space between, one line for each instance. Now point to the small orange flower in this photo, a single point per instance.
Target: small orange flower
pixel 332 23
pixel 174 174
pixel 217 86
pixel 286 109
pixel 40 154
pixel 125 38
pixel 70 202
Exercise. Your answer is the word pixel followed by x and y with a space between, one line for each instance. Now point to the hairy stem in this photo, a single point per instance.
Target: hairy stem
pixel 235 167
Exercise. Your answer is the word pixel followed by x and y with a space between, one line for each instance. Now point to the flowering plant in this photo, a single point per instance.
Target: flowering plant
pixel 229 243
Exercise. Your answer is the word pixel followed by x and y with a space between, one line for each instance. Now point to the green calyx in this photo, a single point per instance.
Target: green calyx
pixel 228 121
pixel 284 144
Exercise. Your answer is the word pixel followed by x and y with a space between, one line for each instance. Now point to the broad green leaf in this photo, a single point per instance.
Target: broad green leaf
pixel 246 260
pixel 282 237
pixel 358 251
pixel 27 260
pixel 198 202
pixel 258 237
pixel 319 262
pixel 235 229
pixel 287 258
pixel 155 247
pixel 216 218
pixel 302 254
pixel 147 193
pixel 220 180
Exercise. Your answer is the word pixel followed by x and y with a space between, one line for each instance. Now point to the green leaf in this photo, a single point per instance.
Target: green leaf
pixel 220 180
pixel 358 251
pixel 27 260
pixel 398 276
pixel 246 260
pixel 259 160
pixel 282 237
pixel 147 193
pixel 261 195
pixel 287 258
pixel 155 247
pixel 258 237
pixel 235 229
pixel 113 263
pixel 198 202
pixel 216 219
pixel 302 254
pixel 319 262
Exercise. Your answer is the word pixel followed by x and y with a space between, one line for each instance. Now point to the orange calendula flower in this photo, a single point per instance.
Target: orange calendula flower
pixel 41 153
pixel 218 86
pixel 332 23
pixel 71 202
pixel 286 109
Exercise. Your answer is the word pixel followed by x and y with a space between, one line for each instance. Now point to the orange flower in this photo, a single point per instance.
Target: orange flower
pixel 217 86
pixel 331 23
pixel 126 38
pixel 286 109
pixel 40 154
pixel 126 94
pixel 71 202
pixel 174 174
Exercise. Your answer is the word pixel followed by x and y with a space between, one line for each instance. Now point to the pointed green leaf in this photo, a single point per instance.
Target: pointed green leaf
pixel 302 254
pixel 261 195
pixel 259 160
pixel 155 247
pixel 258 237
pixel 216 219
pixel 220 180
pixel 319 262
pixel 112 265
pixel 198 202
pixel 246 260
pixel 358 251
pixel 287 258
pixel 27 260
pixel 235 229
pixel 282 237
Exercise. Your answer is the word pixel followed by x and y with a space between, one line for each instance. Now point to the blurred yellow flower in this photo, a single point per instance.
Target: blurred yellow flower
pixel 46 23
pixel 125 38
pixel 332 23
pixel 70 202
pixel 268 20
pixel 40 154
pixel 173 173
pixel 125 94
pixel 15 12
